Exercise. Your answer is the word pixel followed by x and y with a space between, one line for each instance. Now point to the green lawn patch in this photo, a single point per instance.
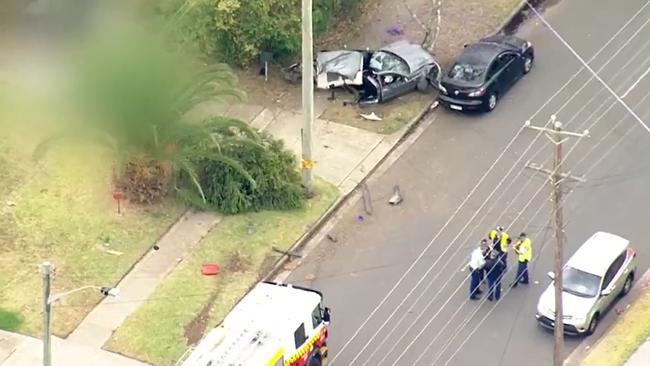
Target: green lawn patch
pixel 187 303
pixel 10 321
pixel 625 336
pixel 62 210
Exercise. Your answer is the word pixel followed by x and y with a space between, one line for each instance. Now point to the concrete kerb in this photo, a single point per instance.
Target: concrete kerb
pixel 515 11
pixel 583 349
pixel 277 270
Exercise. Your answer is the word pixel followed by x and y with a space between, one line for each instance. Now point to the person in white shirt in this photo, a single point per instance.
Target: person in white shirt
pixel 476 263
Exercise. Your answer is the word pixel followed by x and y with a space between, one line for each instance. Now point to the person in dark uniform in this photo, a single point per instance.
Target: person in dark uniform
pixel 476 263
pixel 494 266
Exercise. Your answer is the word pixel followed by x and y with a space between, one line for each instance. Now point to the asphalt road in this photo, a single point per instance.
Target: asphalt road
pixel 427 318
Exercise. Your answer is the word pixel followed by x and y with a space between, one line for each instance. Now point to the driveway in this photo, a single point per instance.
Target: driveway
pixel 427 318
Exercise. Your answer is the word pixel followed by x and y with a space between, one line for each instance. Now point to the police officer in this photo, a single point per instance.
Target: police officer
pixel 476 264
pixel 523 248
pixel 494 267
pixel 500 241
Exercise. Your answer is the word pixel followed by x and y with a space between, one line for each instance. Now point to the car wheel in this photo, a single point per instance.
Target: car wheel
pixel 627 286
pixel 424 85
pixel 491 102
pixel 528 63
pixel 593 324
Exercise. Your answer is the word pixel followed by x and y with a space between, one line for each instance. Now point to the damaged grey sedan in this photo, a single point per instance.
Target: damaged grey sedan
pixel 378 76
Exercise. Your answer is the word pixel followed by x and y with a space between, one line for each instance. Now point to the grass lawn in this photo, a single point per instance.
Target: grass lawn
pixel 186 303
pixel 625 337
pixel 395 114
pixel 62 211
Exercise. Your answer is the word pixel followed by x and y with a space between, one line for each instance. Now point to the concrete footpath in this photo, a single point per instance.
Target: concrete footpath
pixel 641 356
pixel 19 350
pixel 143 279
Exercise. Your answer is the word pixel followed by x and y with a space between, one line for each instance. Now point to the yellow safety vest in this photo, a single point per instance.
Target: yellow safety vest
pixel 525 250
pixel 503 241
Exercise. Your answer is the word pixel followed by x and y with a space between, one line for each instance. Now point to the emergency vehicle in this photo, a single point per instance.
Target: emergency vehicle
pixel 273 325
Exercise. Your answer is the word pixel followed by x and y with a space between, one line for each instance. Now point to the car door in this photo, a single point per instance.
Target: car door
pixel 611 283
pixel 511 68
pixel 494 76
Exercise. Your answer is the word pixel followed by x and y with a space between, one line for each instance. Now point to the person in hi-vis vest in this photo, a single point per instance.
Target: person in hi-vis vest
pixel 500 241
pixel 524 251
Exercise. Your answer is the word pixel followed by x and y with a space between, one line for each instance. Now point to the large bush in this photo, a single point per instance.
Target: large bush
pixel 272 167
pixel 237 31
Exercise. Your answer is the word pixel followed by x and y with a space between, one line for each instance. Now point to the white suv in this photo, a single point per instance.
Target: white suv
pixel 602 269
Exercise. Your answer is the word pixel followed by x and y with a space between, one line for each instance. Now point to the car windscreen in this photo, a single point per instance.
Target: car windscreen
pixel 387 62
pixel 467 72
pixel 580 283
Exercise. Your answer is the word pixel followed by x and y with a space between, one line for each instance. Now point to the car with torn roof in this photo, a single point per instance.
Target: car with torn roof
pixel 381 75
pixel 485 71
pixel 601 270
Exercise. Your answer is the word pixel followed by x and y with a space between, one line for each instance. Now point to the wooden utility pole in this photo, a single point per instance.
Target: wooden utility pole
pixel 307 163
pixel 558 137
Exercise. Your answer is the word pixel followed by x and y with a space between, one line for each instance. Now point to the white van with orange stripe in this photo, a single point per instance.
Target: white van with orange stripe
pixel 273 325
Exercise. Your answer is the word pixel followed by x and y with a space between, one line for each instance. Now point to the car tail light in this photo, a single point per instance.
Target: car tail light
pixel 477 93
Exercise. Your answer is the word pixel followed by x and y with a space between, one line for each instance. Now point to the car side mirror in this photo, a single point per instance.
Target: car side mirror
pixel 606 292
pixel 327 315
pixel 551 275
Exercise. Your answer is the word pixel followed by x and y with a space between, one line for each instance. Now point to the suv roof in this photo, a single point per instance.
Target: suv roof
pixel 598 252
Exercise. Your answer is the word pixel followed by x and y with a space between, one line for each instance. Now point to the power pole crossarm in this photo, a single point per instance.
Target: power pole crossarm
pixel 556 176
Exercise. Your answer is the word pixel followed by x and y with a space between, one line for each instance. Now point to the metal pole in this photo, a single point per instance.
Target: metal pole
pixel 307 163
pixel 556 177
pixel 46 270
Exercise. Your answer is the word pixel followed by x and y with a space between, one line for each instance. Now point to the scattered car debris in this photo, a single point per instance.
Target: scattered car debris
pixel 210 269
pixel 288 253
pixel 332 238
pixel 396 198
pixel 371 117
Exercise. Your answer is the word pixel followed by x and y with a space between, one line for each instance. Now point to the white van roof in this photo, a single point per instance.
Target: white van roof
pixel 598 252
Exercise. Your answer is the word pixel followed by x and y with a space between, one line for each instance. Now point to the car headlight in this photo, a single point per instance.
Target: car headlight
pixel 477 93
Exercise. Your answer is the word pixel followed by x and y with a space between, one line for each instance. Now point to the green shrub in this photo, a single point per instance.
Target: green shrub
pixel 273 168
pixel 237 31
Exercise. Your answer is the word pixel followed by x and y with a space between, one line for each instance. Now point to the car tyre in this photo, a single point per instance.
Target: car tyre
pixel 424 85
pixel 593 324
pixel 627 286
pixel 528 63
pixel 491 102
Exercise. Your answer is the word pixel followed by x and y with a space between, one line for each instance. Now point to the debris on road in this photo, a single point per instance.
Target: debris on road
pixel 396 199
pixel 332 238
pixel 371 117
